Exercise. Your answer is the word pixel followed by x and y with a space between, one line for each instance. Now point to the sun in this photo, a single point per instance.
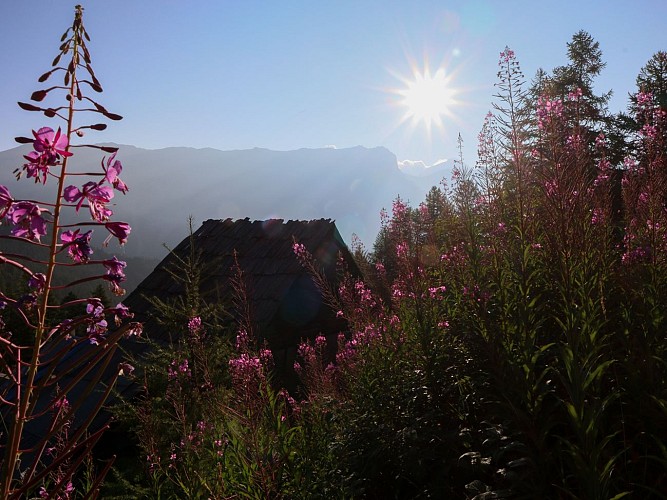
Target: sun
pixel 428 97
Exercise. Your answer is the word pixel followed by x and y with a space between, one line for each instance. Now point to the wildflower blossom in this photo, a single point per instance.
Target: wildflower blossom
pixel 112 171
pixel 97 197
pixel 506 56
pixel 575 95
pixel 135 329
pixel 194 325
pixel 399 209
pixel 38 282
pixel 245 370
pixel 6 201
pixel 37 167
pixel 27 219
pixel 547 111
pixel 120 230
pixel 96 329
pixel 178 368
pixel 644 98
pixel 51 144
pixel 115 267
pixel 94 307
pixel 78 245
pixel 435 292
pixel 121 311
pixel 49 147
pixel 126 369
pixel 242 341
pixel 115 274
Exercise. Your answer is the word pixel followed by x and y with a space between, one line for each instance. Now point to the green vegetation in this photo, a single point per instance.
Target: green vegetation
pixel 507 342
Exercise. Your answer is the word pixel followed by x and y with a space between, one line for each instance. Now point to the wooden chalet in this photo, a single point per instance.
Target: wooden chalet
pixel 284 302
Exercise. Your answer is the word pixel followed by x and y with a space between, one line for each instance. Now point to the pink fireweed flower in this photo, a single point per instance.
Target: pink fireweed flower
pixel 27 218
pixel 96 330
pixel 266 357
pixel 506 56
pixel 125 369
pixel 306 351
pixel 598 216
pixel 115 274
pixel 50 143
pixel 644 98
pixel 600 141
pixel 242 341
pixel 194 325
pixel 365 295
pixel 574 141
pixel 112 171
pixel 94 307
pixel 97 197
pixel 547 111
pixel 402 249
pixel 299 250
pixel 178 368
pixel 121 312
pixel 120 230
pixel 78 245
pixel 245 370
pixel 649 131
pixel 6 201
pixel 384 217
pixel 436 291
pixel 115 267
pixel 37 166
pixel 38 282
pixel 575 95
pixel 135 329
pixel 399 209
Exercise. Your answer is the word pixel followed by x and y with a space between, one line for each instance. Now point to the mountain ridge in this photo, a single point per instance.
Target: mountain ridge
pixel 167 185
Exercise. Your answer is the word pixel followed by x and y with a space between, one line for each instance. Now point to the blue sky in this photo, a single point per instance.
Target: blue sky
pixel 292 74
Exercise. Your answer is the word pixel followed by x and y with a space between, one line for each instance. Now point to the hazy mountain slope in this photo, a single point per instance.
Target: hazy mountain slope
pixel 167 185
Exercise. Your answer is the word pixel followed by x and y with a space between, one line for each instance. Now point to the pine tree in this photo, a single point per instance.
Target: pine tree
pixel 653 78
pixel 585 64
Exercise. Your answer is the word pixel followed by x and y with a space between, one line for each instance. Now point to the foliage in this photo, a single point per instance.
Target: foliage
pixel 506 341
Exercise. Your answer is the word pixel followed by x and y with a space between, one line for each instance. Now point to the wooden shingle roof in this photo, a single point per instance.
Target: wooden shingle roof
pixel 280 291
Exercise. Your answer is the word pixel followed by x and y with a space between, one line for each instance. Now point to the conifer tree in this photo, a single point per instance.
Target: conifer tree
pixel 585 64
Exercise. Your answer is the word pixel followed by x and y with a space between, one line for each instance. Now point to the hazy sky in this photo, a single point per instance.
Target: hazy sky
pixel 290 74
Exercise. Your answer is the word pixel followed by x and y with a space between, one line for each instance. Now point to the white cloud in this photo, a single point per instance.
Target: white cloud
pixel 419 168
pixel 330 146
pixel 410 165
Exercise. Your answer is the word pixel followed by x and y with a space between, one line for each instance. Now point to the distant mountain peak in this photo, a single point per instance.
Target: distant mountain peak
pixel 350 185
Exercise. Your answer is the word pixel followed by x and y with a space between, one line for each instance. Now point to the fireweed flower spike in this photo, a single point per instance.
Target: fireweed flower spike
pixel 30 382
